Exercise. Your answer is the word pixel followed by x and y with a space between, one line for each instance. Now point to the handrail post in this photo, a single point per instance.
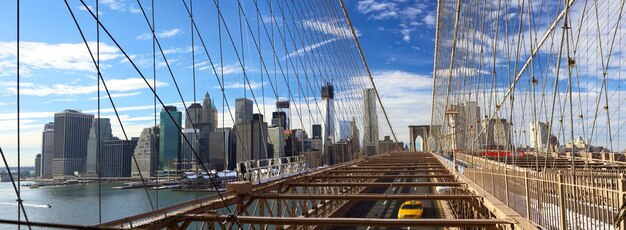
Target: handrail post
pixel 527 194
pixel 506 186
pixel 621 189
pixel 563 210
pixel 493 183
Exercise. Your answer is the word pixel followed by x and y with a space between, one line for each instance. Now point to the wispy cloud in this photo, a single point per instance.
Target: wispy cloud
pixel 60 100
pixel 120 6
pixel 90 7
pixel 162 34
pixel 430 19
pixel 309 48
pixel 116 95
pixel 378 9
pixel 239 85
pixel 227 69
pixel 114 85
pixel 332 27
pixel 410 14
pixel 61 56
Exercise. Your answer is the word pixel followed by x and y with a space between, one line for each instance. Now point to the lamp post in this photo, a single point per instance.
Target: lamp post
pixel 452 113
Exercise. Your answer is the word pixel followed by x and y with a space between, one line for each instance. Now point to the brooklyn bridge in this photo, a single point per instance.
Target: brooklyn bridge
pixel 524 128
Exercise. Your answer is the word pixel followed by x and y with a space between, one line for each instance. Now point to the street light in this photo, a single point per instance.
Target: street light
pixel 452 113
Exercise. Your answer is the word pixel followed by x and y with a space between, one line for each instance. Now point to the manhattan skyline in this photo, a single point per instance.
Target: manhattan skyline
pixel 406 27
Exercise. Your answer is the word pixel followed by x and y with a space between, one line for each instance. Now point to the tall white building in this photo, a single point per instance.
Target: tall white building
pixel 471 125
pixel 97 137
pixel 539 136
pixel 147 153
pixel 276 139
pixel 370 123
pixel 47 150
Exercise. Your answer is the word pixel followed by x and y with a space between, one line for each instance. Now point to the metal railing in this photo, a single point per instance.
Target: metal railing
pixel 554 198
pixel 258 171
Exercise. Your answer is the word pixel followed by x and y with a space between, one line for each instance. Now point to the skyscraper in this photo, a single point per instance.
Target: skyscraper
pixel 317 131
pixel 193 116
pixel 117 157
pixel 47 150
pixel 243 110
pixel 279 118
pixel 147 153
pixel 208 115
pixel 276 140
pixel 71 134
pixel 469 116
pixel 221 142
pixel 356 143
pixel 38 165
pixel 94 154
pixel 207 125
pixel 345 130
pixel 539 136
pixel 219 151
pixel 169 139
pixel 498 134
pixel 188 144
pixel 251 138
pixel 370 123
pixel 328 96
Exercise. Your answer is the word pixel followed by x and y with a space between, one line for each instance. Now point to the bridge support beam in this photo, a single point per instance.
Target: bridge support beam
pixel 374 222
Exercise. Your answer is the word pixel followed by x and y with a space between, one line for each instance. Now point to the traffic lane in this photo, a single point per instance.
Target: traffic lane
pixel 389 209
pixel 431 207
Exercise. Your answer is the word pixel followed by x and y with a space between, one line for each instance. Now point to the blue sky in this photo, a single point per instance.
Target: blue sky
pixel 397 37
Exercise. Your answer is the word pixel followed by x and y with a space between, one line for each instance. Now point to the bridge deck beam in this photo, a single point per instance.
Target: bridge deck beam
pixel 375 222
pixel 378 184
pixel 363 196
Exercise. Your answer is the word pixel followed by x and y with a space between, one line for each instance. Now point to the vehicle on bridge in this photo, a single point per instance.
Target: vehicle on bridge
pixel 411 209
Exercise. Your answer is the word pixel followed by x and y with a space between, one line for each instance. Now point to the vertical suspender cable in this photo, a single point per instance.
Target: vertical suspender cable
pixel 154 98
pixel 98 138
pixel 16 188
pixel 19 196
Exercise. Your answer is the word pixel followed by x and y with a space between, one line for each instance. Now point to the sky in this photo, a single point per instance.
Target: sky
pixel 57 72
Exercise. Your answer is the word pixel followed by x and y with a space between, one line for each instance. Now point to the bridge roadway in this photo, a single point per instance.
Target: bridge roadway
pixel 389 209
pixel 354 195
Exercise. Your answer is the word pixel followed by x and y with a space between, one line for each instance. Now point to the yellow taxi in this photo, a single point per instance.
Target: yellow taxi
pixel 411 209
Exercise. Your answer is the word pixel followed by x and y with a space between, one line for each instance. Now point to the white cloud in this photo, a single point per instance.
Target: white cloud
pixel 116 95
pixel 227 69
pixel 378 9
pixel 62 56
pixel 91 8
pixel 399 81
pixel 309 48
pixel 114 85
pixel 162 34
pixel 406 34
pixel 409 14
pixel 407 99
pixel 430 19
pixel 120 6
pixel 330 27
pixel 238 85
pixel 60 100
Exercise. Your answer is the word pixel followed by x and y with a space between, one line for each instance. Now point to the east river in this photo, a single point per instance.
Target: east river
pixel 78 204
